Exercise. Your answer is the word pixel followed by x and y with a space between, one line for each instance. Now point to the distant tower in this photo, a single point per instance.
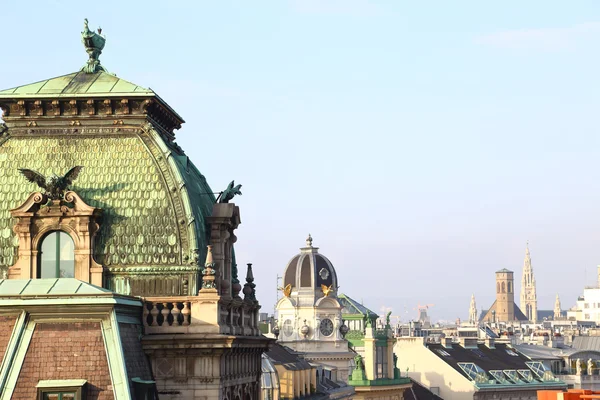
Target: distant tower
pixel 473 311
pixel 528 293
pixel 557 310
pixel 505 295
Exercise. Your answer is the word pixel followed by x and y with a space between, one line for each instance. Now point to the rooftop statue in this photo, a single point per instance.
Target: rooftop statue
pixel 55 186
pixel 229 193
pixel 287 290
pixel 327 290
pixel 94 43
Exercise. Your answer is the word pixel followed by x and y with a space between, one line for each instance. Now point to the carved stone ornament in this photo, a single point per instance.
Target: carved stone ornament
pixel 38 216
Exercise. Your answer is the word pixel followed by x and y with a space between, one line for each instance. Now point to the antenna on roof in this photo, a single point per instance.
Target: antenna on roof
pixel 277 295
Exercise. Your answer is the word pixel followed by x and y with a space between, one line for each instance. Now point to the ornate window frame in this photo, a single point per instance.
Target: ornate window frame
pixel 71 386
pixel 38 216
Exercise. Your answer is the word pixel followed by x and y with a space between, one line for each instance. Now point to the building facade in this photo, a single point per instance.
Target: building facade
pixel 129 213
pixel 310 314
pixel 375 375
pixel 474 370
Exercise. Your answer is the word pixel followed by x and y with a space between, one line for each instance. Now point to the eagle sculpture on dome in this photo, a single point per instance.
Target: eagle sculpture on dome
pixel 229 193
pixel 287 290
pixel 327 290
pixel 55 186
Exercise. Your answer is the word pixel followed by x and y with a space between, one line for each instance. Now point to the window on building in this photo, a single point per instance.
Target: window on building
pixel 540 371
pixel 72 389
pixel 381 360
pixel 510 288
pixel 57 256
pixel 586 305
pixel 474 372
pixel 59 396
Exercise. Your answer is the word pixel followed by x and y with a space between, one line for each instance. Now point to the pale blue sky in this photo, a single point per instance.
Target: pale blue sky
pixel 421 143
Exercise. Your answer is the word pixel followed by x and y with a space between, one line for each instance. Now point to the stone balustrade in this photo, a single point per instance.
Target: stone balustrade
pixel 167 311
pixel 194 314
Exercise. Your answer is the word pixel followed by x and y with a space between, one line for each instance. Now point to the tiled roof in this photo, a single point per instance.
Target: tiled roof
pixel 519 316
pixel 127 181
pixel 284 356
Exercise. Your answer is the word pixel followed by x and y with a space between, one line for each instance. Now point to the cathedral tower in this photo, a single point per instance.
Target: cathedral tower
pixel 505 295
pixel 473 311
pixel 528 293
pixel 557 310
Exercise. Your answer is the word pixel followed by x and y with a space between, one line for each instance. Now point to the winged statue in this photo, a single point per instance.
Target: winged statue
pixel 287 290
pixel 327 290
pixel 229 193
pixel 54 186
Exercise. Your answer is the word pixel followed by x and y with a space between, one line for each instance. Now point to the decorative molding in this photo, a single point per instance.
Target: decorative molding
pixel 38 216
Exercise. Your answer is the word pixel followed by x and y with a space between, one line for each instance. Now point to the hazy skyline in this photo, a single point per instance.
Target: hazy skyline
pixel 422 147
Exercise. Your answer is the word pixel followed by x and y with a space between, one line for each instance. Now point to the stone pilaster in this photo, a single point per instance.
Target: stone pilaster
pixel 370 358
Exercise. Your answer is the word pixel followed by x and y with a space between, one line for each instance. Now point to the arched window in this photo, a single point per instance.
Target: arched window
pixel 510 289
pixel 57 256
pixel 498 287
pixel 503 288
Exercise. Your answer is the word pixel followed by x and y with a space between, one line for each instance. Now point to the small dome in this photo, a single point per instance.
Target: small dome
pixel 309 270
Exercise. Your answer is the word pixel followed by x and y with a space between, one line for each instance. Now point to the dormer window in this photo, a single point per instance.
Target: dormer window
pixel 50 233
pixel 57 256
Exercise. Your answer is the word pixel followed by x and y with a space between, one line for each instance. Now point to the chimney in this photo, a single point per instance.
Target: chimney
pixel 468 342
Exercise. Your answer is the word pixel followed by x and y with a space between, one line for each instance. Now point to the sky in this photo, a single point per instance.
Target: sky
pixel 422 144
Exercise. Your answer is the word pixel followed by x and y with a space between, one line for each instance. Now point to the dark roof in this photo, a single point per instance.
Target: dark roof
pixel 504 270
pixel 541 314
pixel 489 359
pixel 419 392
pixel 286 357
pixel 351 306
pixel 519 316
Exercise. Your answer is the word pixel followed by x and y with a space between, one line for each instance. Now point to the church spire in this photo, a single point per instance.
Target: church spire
pixel 473 312
pixel 528 291
pixel 557 308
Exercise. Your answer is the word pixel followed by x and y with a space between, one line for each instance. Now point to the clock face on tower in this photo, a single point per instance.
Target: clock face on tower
pixel 326 327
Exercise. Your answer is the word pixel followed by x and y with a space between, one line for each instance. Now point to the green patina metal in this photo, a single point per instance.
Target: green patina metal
pixel 154 200
pixel 94 43
pixel 380 382
pixel 229 193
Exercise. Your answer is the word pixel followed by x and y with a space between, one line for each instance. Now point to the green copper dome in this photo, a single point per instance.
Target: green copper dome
pixel 154 200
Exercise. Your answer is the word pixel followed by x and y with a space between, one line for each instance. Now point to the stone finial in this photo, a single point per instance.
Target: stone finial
pixel 209 271
pixel 94 43
pixel 309 241
pixel 249 292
